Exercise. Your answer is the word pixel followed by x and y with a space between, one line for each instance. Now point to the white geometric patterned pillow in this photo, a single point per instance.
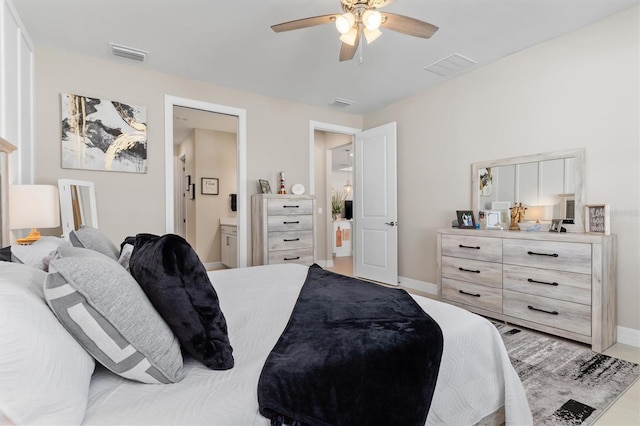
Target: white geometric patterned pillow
pixel 105 309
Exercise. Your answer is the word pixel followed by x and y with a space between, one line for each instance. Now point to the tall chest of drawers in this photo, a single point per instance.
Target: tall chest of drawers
pixel 282 229
pixel 562 284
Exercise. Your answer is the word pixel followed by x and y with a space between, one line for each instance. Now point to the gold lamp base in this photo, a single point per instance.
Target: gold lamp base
pixel 33 236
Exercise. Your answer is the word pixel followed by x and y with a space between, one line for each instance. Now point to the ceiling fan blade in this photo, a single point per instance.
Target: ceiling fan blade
pixel 347 52
pixel 410 26
pixel 304 23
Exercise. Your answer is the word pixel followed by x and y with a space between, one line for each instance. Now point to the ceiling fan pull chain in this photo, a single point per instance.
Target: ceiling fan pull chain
pixel 361 51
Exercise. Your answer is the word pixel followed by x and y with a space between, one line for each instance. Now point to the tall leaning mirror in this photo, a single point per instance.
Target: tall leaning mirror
pixel 77 205
pixel 549 185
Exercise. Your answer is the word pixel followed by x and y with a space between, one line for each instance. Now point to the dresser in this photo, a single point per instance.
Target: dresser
pixel 282 229
pixel 558 283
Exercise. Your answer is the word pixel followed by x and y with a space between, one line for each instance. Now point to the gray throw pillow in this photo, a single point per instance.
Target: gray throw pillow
pixel 91 238
pixel 107 312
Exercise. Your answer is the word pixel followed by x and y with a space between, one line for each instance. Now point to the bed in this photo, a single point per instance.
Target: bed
pixel 475 380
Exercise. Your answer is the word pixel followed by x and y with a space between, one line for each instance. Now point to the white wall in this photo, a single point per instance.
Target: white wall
pixel 578 90
pixel 16 93
pixel 277 134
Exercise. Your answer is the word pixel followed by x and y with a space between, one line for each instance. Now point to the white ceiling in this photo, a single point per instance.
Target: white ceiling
pixel 230 43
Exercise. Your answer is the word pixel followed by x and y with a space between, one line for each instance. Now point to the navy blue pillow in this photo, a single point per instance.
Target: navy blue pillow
pixel 176 282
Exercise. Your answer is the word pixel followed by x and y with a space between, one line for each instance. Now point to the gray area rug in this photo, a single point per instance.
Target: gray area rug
pixel 566 383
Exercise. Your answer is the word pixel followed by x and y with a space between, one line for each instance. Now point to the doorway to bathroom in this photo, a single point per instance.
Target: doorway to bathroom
pixel 207 201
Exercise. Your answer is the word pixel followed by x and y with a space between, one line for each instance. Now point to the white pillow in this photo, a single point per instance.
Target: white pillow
pixel 37 254
pixel 44 372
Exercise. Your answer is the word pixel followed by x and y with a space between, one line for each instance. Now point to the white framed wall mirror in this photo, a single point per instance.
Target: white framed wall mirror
pixel 77 205
pixel 549 185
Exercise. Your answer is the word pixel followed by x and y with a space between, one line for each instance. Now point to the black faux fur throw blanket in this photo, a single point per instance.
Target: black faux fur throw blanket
pixel 353 353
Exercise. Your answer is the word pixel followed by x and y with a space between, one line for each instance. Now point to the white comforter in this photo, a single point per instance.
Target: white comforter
pixel 475 378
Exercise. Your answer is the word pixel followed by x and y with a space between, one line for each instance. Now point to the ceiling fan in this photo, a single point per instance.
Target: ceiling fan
pixel 362 16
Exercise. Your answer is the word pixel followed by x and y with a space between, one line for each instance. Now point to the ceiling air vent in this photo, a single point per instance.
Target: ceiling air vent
pixel 128 52
pixel 450 65
pixel 342 102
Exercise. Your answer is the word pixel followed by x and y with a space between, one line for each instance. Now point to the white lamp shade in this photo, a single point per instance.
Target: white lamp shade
pixel 371 35
pixel 345 22
pixel 33 206
pixel 350 37
pixel 372 19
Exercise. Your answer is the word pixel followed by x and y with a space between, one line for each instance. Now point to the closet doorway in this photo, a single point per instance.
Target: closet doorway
pixel 205 144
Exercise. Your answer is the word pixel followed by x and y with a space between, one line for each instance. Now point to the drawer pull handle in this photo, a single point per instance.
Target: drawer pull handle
pixel 291 239
pixel 469 294
pixel 290 207
pixel 542 310
pixel 542 282
pixel 471 247
pixel 475 271
pixel 290 222
pixel 533 253
pixel 292 258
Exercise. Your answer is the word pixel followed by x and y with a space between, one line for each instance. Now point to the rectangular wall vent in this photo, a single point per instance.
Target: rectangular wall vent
pixel 128 52
pixel 450 65
pixel 342 102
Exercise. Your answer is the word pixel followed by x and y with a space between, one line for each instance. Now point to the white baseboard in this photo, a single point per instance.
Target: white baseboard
pixel 325 263
pixel 628 336
pixel 213 265
pixel 422 286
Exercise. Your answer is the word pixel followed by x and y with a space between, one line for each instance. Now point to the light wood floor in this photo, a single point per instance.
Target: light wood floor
pixel 625 411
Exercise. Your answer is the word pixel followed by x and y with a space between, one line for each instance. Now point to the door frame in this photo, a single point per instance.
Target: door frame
pixel 243 226
pixel 327 127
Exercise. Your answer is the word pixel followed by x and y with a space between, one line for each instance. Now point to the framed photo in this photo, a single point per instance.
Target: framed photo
pixel 556 225
pixel 466 219
pixel 597 218
pixel 493 219
pixel 265 188
pixel 209 186
pixel 192 193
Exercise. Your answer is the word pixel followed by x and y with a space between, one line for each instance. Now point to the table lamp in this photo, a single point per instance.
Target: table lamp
pixel 31 207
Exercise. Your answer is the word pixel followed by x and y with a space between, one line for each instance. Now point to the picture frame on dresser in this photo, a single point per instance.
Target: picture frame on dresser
pixel 265 188
pixel 597 219
pixel 556 225
pixel 493 219
pixel 466 219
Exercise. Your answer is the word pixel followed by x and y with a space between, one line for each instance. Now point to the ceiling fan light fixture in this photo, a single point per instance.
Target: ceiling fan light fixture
pixel 371 36
pixel 372 19
pixel 344 22
pixel 350 37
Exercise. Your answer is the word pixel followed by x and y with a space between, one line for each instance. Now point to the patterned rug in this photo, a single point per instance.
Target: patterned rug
pixel 566 383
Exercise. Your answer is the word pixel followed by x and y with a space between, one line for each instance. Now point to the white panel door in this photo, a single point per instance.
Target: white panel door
pixel 375 206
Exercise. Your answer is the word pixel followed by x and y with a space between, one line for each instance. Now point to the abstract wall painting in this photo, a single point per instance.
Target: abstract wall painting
pixel 99 134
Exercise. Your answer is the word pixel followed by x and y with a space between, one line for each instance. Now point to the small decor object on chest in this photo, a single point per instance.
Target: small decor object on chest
pixel 209 186
pixel 517 214
pixel 466 219
pixel 265 188
pixel 597 218
pixel 281 189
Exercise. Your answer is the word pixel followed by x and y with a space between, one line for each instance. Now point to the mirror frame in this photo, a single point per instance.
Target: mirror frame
pixel 578 154
pixel 66 206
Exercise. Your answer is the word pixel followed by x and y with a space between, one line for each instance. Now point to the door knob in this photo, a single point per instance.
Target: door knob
pixel 391 223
